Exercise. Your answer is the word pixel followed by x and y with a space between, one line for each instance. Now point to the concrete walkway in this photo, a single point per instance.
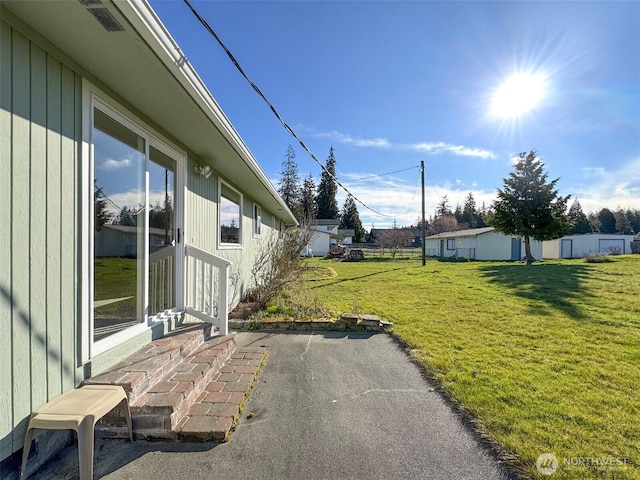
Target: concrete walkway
pixel 326 406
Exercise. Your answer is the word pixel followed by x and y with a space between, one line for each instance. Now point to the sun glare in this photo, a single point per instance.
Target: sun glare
pixel 519 94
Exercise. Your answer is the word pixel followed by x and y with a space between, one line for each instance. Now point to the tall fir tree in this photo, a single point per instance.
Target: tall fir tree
pixel 326 204
pixel 289 183
pixel 308 200
pixel 607 221
pixel 529 206
pixel 350 219
pixel 470 214
pixel 634 220
pixel 443 207
pixel 623 225
pixel 580 221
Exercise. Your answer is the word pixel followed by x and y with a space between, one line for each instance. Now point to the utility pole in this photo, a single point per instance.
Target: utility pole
pixel 424 227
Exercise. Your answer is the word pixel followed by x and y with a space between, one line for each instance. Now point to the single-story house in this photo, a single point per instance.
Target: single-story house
pixel 104 123
pixel 479 244
pixel 579 245
pixel 319 244
pixel 326 233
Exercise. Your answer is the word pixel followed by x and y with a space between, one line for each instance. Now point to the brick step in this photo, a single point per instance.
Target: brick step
pixel 157 412
pixel 164 379
pixel 216 410
pixel 153 362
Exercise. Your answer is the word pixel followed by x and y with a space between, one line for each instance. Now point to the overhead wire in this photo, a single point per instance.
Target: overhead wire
pixel 275 112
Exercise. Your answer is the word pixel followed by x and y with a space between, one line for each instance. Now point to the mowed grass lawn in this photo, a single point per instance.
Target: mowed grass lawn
pixel 545 357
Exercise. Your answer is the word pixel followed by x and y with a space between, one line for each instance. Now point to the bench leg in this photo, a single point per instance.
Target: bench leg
pixel 127 415
pixel 25 451
pixel 85 448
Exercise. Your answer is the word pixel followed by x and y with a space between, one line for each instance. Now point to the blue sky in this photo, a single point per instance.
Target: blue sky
pixel 389 84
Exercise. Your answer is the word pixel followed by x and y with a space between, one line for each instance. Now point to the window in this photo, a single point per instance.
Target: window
pixel 257 220
pixel 451 244
pixel 230 216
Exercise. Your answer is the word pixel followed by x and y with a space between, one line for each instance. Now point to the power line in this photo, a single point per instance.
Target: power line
pixel 275 112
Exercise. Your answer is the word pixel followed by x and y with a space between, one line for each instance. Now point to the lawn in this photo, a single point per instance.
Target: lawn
pixel 545 357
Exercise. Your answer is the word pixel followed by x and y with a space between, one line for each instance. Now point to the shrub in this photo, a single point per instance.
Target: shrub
pixel 278 265
pixel 597 258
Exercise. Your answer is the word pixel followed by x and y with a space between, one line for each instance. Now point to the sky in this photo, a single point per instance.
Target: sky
pixel 462 86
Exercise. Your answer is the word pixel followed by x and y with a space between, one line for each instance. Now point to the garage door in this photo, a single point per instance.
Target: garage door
pixel 614 245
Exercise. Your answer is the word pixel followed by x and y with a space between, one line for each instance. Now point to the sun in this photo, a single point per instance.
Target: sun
pixel 519 94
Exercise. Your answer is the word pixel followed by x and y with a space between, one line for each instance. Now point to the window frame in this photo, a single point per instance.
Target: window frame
pixel 229 245
pixel 257 220
pixel 451 243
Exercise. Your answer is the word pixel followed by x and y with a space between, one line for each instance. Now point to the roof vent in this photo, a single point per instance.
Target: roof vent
pixel 106 19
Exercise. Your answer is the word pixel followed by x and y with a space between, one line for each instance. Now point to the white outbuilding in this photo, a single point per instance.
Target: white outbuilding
pixel 577 246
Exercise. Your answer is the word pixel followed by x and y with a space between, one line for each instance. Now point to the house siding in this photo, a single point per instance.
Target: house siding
pixel 202 230
pixel 42 255
pixel 40 128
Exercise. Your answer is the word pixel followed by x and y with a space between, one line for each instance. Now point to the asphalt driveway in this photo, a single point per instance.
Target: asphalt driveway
pixel 326 406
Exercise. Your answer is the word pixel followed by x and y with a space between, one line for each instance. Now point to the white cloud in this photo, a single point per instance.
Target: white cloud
pixel 336 136
pixel 603 188
pixel 459 150
pixel 434 148
pixel 113 164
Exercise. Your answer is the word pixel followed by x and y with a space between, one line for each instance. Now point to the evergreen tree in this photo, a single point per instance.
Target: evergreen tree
pixel 622 222
pixel 458 213
pixel 470 215
pixel 102 215
pixel 443 207
pixel 308 200
pixel 326 204
pixel 350 219
pixel 594 221
pixel 580 221
pixel 289 183
pixel 529 206
pixel 634 220
pixel 607 221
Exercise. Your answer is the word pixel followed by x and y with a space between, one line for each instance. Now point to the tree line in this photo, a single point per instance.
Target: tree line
pixel 309 202
pixel 605 220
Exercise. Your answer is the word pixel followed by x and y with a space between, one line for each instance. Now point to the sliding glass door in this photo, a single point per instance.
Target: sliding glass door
pixel 134 235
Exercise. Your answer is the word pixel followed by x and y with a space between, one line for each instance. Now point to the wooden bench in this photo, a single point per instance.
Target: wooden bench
pixel 78 410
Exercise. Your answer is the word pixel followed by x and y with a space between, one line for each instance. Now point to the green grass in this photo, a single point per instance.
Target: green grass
pixel 115 277
pixel 545 357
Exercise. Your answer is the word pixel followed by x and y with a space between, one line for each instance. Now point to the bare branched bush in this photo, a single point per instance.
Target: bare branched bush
pixel 278 264
pixel 395 239
pixel 597 257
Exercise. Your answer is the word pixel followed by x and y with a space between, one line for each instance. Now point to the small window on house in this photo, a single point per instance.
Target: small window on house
pixel 257 220
pixel 230 216
pixel 451 244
